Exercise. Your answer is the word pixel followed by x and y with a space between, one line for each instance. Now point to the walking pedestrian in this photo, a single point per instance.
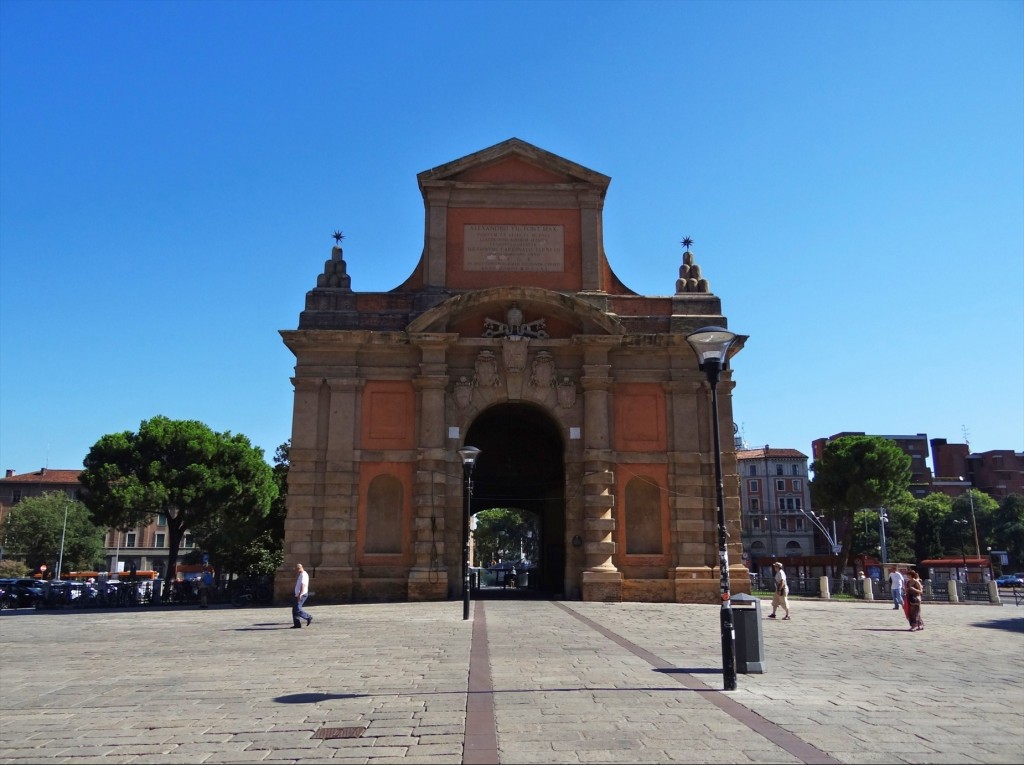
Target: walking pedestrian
pixel 781 596
pixel 914 592
pixel 896 584
pixel 301 593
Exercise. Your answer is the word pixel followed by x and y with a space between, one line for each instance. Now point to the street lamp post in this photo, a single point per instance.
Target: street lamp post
pixel 974 523
pixel 468 455
pixel 963 554
pixel 883 519
pixel 63 533
pixel 711 344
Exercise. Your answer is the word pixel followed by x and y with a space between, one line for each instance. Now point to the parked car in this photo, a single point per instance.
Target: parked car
pixel 21 593
pixel 1011 580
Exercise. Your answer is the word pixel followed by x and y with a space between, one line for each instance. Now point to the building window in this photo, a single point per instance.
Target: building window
pixel 756 522
pixel 188 541
pixel 780 486
pixel 755 505
pixel 799 524
pixel 15 497
pixel 161 540
pixel 778 470
pixel 782 503
pixel 129 540
pixel 755 486
pixel 161 520
pixel 799 504
pixel 797 485
pixel 753 470
pixel 796 470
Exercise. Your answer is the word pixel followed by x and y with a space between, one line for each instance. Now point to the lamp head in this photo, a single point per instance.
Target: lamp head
pixel 711 344
pixel 468 454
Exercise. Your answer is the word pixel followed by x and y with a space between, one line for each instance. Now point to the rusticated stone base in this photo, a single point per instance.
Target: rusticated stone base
pixel 648 590
pixel 380 591
pixel 425 590
pixel 701 584
pixel 326 585
pixel 602 586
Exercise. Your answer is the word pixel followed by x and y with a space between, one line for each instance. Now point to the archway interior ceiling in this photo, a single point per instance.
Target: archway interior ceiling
pixel 520 463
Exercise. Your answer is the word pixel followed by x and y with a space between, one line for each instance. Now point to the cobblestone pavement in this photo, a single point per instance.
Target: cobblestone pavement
pixel 523 681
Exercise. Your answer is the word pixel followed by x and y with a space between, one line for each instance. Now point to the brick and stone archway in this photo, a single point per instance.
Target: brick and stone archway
pixel 522 466
pixel 512 334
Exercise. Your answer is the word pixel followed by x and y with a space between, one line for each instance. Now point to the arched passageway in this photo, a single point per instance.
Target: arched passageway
pixel 521 466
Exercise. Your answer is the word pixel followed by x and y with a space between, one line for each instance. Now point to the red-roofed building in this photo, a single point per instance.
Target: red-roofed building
pixel 145 546
pixel 775 498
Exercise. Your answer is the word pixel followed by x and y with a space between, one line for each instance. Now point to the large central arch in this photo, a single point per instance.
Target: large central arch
pixel 521 465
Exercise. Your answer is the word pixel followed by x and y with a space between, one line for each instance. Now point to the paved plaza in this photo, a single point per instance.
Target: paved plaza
pixel 523 681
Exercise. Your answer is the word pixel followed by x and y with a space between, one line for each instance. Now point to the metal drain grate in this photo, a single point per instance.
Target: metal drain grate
pixel 338 732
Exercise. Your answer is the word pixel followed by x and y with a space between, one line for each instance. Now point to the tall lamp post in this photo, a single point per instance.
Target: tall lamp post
pixel 63 533
pixel 963 554
pixel 468 455
pixel 974 523
pixel 883 519
pixel 711 344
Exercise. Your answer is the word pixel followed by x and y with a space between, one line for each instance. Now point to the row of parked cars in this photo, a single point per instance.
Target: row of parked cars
pixel 20 593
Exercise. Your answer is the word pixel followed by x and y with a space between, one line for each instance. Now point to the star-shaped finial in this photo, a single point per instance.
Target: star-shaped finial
pixel 338 236
pixel 687 241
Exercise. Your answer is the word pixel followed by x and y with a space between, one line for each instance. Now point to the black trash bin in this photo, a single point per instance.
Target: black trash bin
pixel 746 618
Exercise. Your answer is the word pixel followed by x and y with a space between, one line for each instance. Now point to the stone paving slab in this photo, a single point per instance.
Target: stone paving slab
pixel 230 685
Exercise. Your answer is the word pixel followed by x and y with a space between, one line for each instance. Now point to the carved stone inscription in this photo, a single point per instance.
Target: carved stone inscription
pixel 513 248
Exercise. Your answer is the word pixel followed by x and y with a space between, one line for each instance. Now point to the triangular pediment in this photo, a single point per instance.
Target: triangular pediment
pixel 514 161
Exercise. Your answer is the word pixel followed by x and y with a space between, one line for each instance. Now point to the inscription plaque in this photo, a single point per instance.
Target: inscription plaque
pixel 513 248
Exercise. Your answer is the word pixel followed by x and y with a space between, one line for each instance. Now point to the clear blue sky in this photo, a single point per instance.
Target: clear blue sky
pixel 852 174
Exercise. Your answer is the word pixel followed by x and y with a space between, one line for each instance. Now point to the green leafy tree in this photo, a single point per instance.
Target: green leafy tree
pixel 854 473
pixel 501 533
pixel 253 545
pixel 33 529
pixel 180 469
pixel 13 569
pixel 899 531
pixel 1008 530
pixel 983 508
pixel 933 514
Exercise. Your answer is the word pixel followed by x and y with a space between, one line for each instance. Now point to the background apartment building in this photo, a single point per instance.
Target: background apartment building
pixel 145 547
pixel 775 499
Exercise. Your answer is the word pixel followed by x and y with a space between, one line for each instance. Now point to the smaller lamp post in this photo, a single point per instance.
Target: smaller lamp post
pixel 963 554
pixel 883 519
pixel 974 523
pixel 63 533
pixel 711 344
pixel 468 455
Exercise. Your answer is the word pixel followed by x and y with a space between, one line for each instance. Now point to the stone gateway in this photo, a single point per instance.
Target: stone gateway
pixel 513 335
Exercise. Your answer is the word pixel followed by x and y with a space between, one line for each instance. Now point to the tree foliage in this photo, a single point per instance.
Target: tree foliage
pixel 1008 530
pixel 933 514
pixel 253 545
pixel 854 473
pixel 501 533
pixel 180 469
pixel 900 530
pixel 33 528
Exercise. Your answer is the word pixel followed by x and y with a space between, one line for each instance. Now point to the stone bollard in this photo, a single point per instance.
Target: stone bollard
pixel 954 596
pixel 823 584
pixel 993 593
pixel 868 585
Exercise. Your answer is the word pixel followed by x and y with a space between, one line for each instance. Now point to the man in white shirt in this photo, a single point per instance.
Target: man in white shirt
pixel 781 596
pixel 301 593
pixel 896 583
